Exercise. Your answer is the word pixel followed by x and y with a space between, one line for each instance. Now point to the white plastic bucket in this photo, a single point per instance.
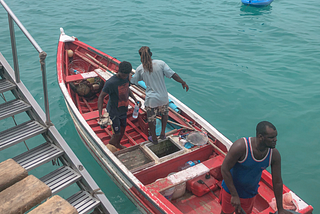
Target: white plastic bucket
pixel 169 193
pixel 179 190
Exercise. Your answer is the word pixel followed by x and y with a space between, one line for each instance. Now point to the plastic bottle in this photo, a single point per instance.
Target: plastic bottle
pixel 189 164
pixel 136 110
pixel 75 71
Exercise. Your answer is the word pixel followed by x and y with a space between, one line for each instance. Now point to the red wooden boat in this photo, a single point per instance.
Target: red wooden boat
pixel 154 177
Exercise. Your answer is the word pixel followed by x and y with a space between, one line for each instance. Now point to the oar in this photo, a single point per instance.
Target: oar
pixel 99 63
pixel 217 148
pixel 171 132
pixel 178 124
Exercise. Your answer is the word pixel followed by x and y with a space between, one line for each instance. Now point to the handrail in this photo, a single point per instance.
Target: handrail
pixel 42 56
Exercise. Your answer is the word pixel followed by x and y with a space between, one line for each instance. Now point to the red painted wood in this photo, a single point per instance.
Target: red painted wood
pixel 151 201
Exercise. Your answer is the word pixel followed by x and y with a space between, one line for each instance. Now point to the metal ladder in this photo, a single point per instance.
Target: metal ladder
pixel 51 148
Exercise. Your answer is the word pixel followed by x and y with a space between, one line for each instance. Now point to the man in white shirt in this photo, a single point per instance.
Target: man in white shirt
pixel 152 72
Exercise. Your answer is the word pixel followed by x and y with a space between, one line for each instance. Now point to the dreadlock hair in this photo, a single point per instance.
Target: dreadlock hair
pixel 145 55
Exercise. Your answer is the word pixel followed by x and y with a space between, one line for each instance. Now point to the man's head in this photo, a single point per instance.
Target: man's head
pixel 267 133
pixel 125 69
pixel 145 58
pixel 145 50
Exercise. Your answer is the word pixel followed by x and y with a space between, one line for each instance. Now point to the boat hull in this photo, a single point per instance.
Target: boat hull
pixel 111 168
pixel 142 186
pixel 257 3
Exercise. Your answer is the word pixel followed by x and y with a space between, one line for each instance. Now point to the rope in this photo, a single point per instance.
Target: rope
pixel 96 192
pixel 42 57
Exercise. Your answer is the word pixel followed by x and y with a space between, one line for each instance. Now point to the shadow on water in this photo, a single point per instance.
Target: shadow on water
pixel 252 10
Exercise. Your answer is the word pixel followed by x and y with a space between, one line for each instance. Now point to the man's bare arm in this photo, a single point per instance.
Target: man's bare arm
pixel 277 180
pixel 177 78
pixel 236 151
pixel 100 103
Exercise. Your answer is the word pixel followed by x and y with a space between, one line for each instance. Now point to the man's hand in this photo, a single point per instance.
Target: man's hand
pixel 139 103
pixel 235 202
pixel 130 75
pixel 185 86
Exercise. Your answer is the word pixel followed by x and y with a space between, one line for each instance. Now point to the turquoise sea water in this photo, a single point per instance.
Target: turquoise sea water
pixel 242 64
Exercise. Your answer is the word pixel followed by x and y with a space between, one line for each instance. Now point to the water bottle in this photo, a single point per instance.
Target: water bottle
pixel 189 164
pixel 136 110
pixel 76 72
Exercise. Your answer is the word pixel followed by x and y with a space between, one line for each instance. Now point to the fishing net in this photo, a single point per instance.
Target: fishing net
pixel 78 65
pixel 197 138
pixel 87 88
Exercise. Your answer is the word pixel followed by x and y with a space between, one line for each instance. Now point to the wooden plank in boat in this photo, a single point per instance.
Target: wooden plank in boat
pixel 212 165
pixel 82 76
pixel 134 158
pixel 91 115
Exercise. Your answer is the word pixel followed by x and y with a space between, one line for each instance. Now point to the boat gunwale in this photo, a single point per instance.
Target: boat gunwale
pixel 97 144
pixel 108 154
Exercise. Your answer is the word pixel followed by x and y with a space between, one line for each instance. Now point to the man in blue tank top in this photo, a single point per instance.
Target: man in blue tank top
pixel 242 169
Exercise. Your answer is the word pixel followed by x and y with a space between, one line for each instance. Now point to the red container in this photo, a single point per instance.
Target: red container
pixel 199 189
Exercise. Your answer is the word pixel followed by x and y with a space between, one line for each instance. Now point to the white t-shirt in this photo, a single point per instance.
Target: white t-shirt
pixel 156 91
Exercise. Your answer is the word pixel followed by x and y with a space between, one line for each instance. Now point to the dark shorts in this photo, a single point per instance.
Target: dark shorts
pixel 153 112
pixel 225 200
pixel 118 122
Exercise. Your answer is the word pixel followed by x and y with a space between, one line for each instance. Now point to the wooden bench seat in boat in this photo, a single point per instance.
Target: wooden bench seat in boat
pixel 212 165
pixel 55 205
pixel 83 76
pixel 23 195
pixel 11 172
pixel 91 115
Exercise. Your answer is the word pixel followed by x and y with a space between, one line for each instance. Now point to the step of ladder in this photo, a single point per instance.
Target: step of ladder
pixel 38 156
pixel 83 202
pixel 13 107
pixel 20 133
pixel 60 178
pixel 6 85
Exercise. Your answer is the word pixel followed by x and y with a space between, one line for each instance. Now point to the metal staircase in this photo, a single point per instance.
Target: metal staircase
pixel 53 147
pixel 34 124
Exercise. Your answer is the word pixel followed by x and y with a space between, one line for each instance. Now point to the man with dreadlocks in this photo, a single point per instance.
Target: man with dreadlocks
pixel 152 72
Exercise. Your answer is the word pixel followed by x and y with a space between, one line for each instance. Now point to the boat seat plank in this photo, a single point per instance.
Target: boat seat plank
pixel 91 115
pixel 83 76
pixel 23 195
pixel 55 205
pixel 105 75
pixel 11 172
pixel 137 130
pixel 212 165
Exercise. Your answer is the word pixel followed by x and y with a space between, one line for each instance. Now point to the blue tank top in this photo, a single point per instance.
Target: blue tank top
pixel 247 173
